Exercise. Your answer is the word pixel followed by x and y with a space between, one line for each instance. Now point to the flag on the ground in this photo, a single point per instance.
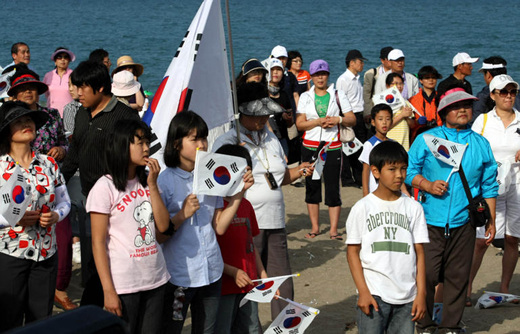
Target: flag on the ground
pixel 265 290
pixel 352 146
pixel 319 164
pixel 294 318
pixel 218 174
pixel 16 196
pixel 197 78
pixel 449 152
pixel 490 299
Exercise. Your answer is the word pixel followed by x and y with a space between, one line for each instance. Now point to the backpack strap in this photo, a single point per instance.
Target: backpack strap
pixel 373 82
pixel 337 101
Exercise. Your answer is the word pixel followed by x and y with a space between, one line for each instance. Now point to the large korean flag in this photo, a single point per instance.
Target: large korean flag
pixel 218 174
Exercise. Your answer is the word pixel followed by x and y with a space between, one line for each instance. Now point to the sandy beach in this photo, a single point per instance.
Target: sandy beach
pixel 325 282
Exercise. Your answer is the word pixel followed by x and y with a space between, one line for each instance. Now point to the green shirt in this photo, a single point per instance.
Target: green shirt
pixel 322 104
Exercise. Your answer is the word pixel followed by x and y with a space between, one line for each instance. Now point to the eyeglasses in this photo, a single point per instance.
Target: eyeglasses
pixel 429 77
pixel 504 92
pixel 62 57
pixel 297 61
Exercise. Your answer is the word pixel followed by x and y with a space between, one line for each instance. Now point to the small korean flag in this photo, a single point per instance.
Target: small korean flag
pixel 218 174
pixel 4 83
pixel 294 318
pixel 352 147
pixel 15 196
pixel 392 97
pixel 319 164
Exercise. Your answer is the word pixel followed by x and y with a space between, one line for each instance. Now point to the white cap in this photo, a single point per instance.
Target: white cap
pixel 463 57
pixel 279 51
pixel 395 54
pixel 487 66
pixel 272 63
pixel 500 81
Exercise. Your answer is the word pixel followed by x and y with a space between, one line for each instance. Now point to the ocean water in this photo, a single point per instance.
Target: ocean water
pixel 429 32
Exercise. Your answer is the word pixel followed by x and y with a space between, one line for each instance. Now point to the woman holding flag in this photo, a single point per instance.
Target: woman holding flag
pixel 434 161
pixel 270 172
pixel 319 116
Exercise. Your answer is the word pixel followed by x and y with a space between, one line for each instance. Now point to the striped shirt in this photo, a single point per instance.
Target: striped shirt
pixel 89 139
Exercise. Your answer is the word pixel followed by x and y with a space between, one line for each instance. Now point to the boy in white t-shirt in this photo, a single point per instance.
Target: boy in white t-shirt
pixel 385 233
pixel 381 118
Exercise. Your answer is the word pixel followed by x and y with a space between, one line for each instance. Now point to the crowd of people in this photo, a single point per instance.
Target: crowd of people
pixel 150 249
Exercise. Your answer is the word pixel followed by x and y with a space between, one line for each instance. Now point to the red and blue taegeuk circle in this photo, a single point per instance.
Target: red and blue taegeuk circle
pixel 18 194
pixel 221 175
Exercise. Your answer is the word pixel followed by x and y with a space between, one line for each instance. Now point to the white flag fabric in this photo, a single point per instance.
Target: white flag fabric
pixel 294 318
pixel 197 78
pixel 5 83
pixel 16 197
pixel 352 146
pixel 320 162
pixel 490 299
pixel 503 176
pixel 390 96
pixel 218 174
pixel 446 151
pixel 265 290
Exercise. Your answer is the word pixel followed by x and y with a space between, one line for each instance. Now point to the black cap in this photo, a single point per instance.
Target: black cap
pixel 354 54
pixel 384 52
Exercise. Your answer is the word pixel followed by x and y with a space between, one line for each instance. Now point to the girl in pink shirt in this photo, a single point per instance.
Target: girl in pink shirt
pixel 126 209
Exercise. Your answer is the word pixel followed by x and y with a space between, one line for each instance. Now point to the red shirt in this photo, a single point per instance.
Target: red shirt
pixel 237 248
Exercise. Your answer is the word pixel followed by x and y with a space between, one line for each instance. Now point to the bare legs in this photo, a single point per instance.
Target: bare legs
pixel 334 213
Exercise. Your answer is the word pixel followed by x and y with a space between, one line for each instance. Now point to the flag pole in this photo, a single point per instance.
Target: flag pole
pixel 275 278
pixel 308 308
pixel 233 82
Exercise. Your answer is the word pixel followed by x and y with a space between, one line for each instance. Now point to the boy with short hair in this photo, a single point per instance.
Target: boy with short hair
pixel 385 232
pixel 381 118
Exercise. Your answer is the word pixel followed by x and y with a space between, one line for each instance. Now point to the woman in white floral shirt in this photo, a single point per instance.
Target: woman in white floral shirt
pixel 27 250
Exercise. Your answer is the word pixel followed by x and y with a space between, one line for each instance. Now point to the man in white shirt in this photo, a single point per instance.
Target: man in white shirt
pixel 350 83
pixel 397 62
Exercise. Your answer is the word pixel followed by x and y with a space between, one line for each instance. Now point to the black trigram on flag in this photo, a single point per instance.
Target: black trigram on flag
pixel 6 198
pixel 306 313
pixel 435 141
pixel 19 178
pixel 454 148
pixel 277 330
pixel 16 211
pixel 234 167
pixel 210 164
pixel 209 184
pixel 197 45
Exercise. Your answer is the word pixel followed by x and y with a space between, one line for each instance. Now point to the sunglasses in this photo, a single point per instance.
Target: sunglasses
pixel 62 57
pixel 504 92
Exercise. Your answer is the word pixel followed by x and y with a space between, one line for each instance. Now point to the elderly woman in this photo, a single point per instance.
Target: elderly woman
pixel 319 116
pixel 452 237
pixel 58 80
pixel 27 255
pixel 500 128
pixel 270 173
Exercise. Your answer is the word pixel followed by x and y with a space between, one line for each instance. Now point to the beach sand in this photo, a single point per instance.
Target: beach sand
pixel 326 284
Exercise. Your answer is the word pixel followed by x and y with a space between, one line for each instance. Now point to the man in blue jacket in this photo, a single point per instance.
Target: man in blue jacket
pixel 452 237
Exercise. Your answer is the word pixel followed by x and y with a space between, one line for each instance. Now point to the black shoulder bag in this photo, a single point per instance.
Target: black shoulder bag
pixel 479 212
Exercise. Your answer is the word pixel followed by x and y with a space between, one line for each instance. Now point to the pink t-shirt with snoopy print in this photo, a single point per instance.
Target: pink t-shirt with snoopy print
pixel 135 258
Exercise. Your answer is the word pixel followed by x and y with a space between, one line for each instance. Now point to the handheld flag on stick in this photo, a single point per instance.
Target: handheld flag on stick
pixel 218 174
pixel 294 318
pixel 16 196
pixel 394 99
pixel 264 292
pixel 187 85
pixel 5 82
pixel 352 147
pixel 320 161
pixel 449 152
pixel 490 299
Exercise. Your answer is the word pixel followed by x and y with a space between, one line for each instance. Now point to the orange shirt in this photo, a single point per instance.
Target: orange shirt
pixel 425 108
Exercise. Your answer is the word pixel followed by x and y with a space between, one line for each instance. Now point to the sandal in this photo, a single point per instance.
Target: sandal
pixel 311 235
pixel 336 237
pixel 468 302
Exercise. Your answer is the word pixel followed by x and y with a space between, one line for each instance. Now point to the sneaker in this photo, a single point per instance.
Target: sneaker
pixel 427 330
pixel 76 253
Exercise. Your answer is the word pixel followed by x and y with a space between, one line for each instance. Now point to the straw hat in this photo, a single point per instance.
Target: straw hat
pixel 124 61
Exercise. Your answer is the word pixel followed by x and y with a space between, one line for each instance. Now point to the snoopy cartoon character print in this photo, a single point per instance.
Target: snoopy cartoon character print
pixel 144 217
pixel 32 242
